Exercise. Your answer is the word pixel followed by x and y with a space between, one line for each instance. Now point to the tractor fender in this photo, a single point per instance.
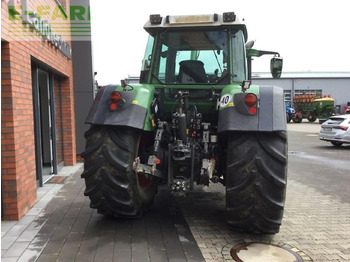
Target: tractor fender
pixel 271 114
pixel 128 113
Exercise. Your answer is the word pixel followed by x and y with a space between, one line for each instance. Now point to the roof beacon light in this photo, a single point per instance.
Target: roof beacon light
pixel 229 17
pixel 155 19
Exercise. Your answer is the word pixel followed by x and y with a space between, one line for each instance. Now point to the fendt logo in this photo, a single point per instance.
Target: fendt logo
pixel 51 22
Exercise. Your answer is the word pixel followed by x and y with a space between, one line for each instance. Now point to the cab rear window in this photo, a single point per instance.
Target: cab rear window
pixel 334 120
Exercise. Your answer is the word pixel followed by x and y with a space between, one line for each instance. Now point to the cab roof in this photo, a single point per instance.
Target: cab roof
pixel 158 23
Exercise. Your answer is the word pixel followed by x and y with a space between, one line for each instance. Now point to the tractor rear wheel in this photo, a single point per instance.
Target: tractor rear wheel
pixel 256 177
pixel 297 118
pixel 111 183
pixel 289 118
pixel 311 118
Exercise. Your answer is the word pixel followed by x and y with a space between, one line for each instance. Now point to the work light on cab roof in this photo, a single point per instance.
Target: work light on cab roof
pixel 157 19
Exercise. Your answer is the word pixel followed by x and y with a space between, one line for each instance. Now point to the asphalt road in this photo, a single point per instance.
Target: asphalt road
pixel 317 163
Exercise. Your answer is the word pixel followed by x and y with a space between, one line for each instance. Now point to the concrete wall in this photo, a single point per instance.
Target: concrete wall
pixel 83 88
pixel 83 78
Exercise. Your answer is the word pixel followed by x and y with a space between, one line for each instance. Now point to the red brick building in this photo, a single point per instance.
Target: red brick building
pixel 37 99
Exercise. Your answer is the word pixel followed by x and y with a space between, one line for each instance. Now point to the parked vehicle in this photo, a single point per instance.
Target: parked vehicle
pixel 194 117
pixel 312 107
pixel 336 130
pixel 289 110
pixel 297 117
pixel 347 109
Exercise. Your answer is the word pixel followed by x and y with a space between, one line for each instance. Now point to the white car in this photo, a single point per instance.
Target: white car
pixel 336 130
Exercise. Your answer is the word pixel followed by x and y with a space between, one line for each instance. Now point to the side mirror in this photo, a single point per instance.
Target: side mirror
pixel 276 65
pixel 250 44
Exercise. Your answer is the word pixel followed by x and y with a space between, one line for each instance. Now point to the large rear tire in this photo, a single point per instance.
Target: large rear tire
pixel 288 117
pixel 256 178
pixel 311 118
pixel 111 183
pixel 337 144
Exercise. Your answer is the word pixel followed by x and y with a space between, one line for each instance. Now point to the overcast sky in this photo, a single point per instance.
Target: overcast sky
pixel 310 35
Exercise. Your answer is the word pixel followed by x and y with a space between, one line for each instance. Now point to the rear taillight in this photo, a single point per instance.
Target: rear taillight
pixel 251 101
pixel 341 127
pixel 115 98
pixel 113 107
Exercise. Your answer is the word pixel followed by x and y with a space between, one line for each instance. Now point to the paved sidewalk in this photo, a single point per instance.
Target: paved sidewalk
pixel 17 237
pixel 314 223
pixel 62 227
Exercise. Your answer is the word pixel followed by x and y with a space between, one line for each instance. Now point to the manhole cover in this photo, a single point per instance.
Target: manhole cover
pixel 257 252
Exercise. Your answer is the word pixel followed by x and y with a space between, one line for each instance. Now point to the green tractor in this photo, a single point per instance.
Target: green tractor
pixel 193 119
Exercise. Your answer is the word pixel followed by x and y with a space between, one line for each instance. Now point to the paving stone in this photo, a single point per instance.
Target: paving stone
pixel 88 249
pixel 7 225
pixel 26 220
pixel 7 241
pixel 120 255
pixel 47 258
pixel 60 234
pixel 53 248
pixel 37 223
pixel 157 255
pixel 105 247
pixel 68 252
pixel 16 249
pixel 16 230
pixel 28 235
pixel 9 259
pixel 30 255
pixel 140 254
pixel 155 237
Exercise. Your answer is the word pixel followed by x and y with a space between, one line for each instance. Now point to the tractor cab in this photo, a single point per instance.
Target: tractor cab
pixel 198 49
